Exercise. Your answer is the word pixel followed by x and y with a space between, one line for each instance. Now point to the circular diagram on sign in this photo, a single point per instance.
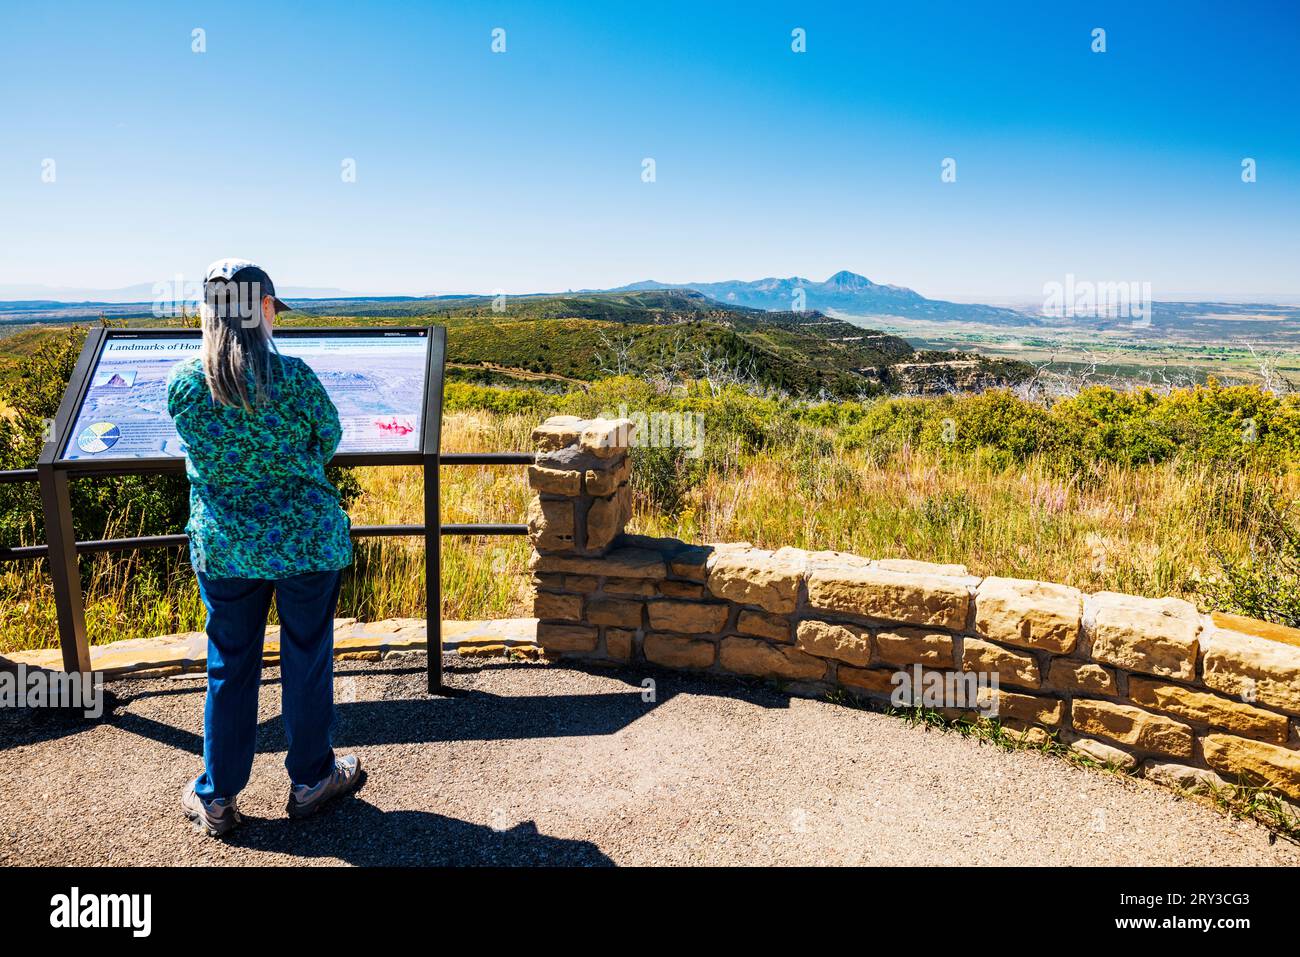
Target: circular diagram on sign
pixel 98 437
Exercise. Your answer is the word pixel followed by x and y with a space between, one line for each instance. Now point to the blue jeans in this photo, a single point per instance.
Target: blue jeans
pixel 237 610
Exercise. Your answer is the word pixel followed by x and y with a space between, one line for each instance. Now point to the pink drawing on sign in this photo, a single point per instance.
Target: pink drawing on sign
pixel 397 428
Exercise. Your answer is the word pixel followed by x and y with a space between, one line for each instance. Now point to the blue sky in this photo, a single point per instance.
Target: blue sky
pixel 522 170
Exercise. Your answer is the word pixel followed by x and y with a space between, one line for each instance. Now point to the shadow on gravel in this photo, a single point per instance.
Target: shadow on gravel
pixel 27 726
pixel 478 716
pixel 469 716
pixel 361 834
pixel 472 715
pixel 406 715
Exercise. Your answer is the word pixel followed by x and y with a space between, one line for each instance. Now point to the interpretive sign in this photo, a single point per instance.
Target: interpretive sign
pixel 385 382
pixel 375 377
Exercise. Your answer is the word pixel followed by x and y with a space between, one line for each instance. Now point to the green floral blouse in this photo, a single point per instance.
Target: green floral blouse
pixel 260 504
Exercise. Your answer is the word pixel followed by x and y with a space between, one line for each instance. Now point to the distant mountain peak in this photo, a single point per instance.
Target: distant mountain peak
pixel 844 293
pixel 844 279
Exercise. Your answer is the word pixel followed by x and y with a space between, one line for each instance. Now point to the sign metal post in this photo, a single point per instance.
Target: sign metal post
pixel 56 508
pixel 65 572
pixel 431 439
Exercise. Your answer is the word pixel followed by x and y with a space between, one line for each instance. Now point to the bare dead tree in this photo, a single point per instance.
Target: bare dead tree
pixel 720 370
pixel 1272 378
pixel 1033 389
pixel 1170 379
pixel 1085 375
pixel 665 369
pixel 1073 379
pixel 615 355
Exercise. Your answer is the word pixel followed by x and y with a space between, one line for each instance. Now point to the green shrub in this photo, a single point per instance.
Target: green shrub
pixel 665 476
pixel 1267 584
pixel 468 397
pixel 1240 425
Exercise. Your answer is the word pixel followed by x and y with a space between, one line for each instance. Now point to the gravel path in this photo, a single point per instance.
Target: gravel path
pixel 532 764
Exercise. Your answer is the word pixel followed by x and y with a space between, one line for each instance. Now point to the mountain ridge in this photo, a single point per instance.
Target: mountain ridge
pixel 844 292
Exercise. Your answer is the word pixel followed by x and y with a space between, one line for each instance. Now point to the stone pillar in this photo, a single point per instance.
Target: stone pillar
pixel 583 501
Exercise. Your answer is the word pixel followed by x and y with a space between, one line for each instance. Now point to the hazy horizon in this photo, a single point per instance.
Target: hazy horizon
pixel 298 291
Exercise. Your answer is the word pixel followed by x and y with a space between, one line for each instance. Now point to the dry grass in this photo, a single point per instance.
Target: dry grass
pixel 1150 530
pixel 481 577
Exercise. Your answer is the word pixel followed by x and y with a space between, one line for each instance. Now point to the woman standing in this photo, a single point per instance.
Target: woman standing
pixel 259 429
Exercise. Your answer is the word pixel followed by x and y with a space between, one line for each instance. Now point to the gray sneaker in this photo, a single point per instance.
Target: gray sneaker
pixel 215 818
pixel 306 800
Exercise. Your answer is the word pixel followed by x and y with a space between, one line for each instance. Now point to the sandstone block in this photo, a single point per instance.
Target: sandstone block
pixel 754 576
pixel 750 656
pixel 618 643
pixel 1253 626
pixel 1025 733
pixel 563 607
pixel 1029 614
pixel 878 681
pixel 1254 669
pixel 554 481
pixel 602 482
pixel 909 646
pixel 1103 753
pixel 1156 636
pixel 688 618
pixel 617 563
pixel 692 562
pixel 763 625
pixel 635 587
pixel 581 583
pixel 850 644
pixel 877 593
pixel 1028 708
pixel 497 650
pixel 832 561
pixel 557 432
pixel 913 567
pixel 607 438
pixel 676 651
pixel 1133 727
pixel 1182 777
pixel 1207 708
pixel 675 589
pixel 550 524
pixel 566 637
pixel 607 517
pixel 614 611
pixel 1011 667
pixel 1255 761
pixel 1081 676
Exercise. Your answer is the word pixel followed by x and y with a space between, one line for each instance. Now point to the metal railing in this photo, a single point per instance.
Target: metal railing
pixel 75 648
pixel 32 552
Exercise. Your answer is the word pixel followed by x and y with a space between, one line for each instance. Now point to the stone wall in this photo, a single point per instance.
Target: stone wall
pixel 1138 682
